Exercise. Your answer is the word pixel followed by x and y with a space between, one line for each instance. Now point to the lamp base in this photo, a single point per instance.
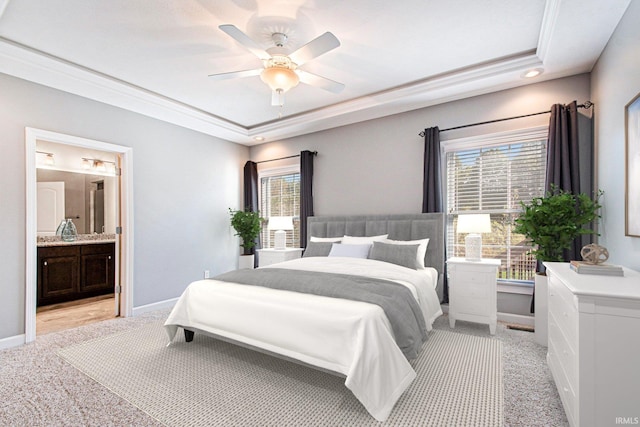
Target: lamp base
pixel 473 247
pixel 280 240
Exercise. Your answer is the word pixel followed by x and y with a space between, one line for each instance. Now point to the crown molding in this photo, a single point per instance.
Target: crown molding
pixel 549 18
pixel 38 67
pixel 458 84
pixel 29 64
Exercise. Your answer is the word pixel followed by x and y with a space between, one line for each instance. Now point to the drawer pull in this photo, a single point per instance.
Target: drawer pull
pixel 109 256
pixel 45 263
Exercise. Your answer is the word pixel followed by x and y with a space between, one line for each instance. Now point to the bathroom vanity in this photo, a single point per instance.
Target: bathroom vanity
pixel 73 270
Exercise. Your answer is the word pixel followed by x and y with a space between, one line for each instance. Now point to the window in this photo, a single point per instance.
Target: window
pixel 493 174
pixel 280 196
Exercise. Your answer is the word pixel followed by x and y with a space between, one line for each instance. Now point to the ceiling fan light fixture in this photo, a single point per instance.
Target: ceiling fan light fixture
pixel 280 78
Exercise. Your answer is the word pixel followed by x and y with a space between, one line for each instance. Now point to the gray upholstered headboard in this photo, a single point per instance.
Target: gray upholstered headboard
pixel 398 226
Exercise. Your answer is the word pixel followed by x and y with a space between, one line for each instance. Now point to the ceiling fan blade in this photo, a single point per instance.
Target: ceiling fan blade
pixel 236 74
pixel 316 47
pixel 319 81
pixel 245 41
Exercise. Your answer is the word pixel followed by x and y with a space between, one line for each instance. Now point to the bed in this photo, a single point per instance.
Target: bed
pixel 364 340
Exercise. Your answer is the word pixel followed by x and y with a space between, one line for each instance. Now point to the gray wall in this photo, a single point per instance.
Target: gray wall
pixel 375 167
pixel 184 181
pixel 615 81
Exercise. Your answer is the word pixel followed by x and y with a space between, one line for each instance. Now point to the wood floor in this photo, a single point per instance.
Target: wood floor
pixel 58 317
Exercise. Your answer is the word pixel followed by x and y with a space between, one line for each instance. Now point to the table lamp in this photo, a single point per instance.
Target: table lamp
pixel 474 224
pixel 280 224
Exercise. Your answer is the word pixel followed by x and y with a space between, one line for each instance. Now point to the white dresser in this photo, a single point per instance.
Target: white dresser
pixel 594 345
pixel 273 256
pixel 472 291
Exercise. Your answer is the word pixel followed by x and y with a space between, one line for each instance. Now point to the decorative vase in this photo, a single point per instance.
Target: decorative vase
pixel 61 227
pixel 69 232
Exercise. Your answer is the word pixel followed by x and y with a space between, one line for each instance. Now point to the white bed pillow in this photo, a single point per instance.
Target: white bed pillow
pixel 351 240
pixel 326 239
pixel 422 249
pixel 350 251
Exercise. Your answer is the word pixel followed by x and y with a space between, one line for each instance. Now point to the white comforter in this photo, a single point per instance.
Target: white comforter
pixel 349 337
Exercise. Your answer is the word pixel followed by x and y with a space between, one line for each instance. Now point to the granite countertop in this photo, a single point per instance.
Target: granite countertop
pixel 83 239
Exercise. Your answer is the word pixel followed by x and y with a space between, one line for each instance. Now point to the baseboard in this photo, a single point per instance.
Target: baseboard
pixel 11 342
pixel 516 318
pixel 504 317
pixel 160 305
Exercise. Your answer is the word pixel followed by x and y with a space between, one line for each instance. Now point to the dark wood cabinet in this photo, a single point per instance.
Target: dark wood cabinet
pixel 67 273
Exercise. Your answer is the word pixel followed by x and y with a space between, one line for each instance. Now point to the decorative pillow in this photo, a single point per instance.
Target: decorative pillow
pixel 422 249
pixel 351 240
pixel 326 239
pixel 317 249
pixel 351 251
pixel 404 255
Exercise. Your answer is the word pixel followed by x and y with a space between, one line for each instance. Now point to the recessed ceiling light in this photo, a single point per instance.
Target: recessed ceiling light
pixel 258 138
pixel 532 73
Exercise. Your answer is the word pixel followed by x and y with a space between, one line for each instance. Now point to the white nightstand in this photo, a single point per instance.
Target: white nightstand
pixel 473 291
pixel 272 256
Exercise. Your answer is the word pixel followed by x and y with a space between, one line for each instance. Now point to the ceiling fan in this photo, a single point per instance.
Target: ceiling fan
pixel 281 70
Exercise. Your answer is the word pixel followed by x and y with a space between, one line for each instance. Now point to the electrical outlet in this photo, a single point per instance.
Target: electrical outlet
pixel 206 274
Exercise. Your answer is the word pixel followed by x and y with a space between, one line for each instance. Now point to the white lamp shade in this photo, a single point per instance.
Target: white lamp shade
pixel 280 223
pixel 474 223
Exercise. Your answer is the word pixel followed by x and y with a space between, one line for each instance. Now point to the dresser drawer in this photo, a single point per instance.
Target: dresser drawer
pixel 567 394
pixel 564 352
pixel 562 306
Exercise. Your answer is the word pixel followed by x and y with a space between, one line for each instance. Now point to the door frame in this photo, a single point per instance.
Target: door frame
pixel 32 135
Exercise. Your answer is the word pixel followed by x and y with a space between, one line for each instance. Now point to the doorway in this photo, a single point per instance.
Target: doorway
pixel 123 239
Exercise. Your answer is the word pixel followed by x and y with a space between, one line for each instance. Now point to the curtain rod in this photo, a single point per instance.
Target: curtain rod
pixel 586 105
pixel 314 153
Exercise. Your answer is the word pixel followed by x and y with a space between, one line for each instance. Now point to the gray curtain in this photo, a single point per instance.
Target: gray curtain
pixel 306 192
pixel 569 162
pixel 432 187
pixel 563 157
pixel 251 198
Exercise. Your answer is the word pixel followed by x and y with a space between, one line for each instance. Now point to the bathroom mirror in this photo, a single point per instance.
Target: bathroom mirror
pixel 89 200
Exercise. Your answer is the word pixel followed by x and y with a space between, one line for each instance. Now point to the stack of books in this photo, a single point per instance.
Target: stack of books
pixel 603 269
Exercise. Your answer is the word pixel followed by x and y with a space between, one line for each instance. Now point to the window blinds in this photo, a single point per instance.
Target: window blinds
pixel 494 179
pixel 280 196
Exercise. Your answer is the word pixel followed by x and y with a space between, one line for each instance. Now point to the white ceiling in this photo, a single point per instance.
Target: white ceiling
pixel 154 56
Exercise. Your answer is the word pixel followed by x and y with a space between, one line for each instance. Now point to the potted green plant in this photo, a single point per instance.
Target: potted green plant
pixel 552 222
pixel 247 224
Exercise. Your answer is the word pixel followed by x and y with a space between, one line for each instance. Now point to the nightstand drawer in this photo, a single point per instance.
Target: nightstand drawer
pixel 472 289
pixel 478 306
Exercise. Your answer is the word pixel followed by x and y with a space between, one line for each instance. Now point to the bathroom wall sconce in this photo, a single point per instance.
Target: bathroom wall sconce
pixel 47 158
pixel 98 165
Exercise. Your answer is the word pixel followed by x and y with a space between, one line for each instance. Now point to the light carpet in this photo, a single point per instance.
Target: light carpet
pixel 209 382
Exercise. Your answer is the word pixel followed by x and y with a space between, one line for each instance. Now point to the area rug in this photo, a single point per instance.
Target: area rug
pixel 209 382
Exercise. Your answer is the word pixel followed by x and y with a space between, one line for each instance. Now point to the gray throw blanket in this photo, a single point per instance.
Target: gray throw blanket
pixel 396 300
